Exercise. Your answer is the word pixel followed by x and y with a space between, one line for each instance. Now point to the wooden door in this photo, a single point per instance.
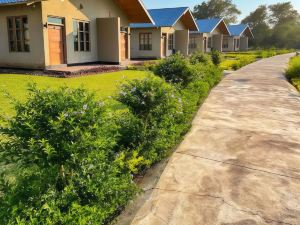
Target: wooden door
pixel 164 45
pixel 124 46
pixel 56 44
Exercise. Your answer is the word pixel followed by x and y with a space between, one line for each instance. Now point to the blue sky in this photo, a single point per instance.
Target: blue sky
pixel 246 6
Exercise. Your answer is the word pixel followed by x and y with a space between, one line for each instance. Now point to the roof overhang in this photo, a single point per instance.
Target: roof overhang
pixel 188 20
pixel 27 2
pixel 248 32
pixel 135 10
pixel 222 27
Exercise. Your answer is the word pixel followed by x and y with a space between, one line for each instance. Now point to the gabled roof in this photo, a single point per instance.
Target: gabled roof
pixel 168 17
pixel 3 2
pixel 238 30
pixel 209 25
pixel 134 9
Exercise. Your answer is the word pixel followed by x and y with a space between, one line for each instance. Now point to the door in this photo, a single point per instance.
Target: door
pixel 164 45
pixel 124 46
pixel 205 44
pixel 56 44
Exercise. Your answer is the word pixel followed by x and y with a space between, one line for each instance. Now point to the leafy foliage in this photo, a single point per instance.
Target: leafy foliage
pixel 66 171
pixel 175 69
pixel 216 57
pixel 293 71
pixel 275 25
pixel 217 9
pixel 200 57
pixel 158 108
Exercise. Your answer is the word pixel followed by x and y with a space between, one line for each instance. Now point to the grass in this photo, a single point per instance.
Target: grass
pixel 236 60
pixel 103 85
pixel 293 71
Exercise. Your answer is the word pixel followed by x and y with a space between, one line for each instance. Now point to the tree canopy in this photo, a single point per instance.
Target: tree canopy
pixel 217 9
pixel 275 25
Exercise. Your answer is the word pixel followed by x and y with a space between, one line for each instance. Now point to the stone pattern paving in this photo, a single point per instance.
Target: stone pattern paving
pixel 240 163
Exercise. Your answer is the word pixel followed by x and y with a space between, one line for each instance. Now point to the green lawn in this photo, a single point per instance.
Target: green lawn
pixel 103 84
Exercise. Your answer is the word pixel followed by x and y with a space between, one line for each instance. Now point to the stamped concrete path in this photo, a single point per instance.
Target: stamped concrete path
pixel 240 163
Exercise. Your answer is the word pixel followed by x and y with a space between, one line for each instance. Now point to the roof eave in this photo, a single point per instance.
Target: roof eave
pixel 195 28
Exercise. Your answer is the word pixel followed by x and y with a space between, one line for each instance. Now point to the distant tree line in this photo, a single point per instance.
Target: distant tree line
pixel 276 25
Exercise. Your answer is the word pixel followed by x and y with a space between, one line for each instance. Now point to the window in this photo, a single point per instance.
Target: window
pixel 225 41
pixel 209 45
pixel 146 41
pixel 81 36
pixel 171 42
pixel 193 43
pixel 18 35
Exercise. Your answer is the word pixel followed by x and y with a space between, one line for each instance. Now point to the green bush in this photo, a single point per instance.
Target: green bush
pixel 66 170
pixel 216 57
pixel 293 70
pixel 157 108
pixel 200 57
pixel 242 61
pixel 175 69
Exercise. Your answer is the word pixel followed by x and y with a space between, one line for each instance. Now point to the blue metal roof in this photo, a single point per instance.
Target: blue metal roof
pixel 2 2
pixel 166 17
pixel 208 25
pixel 237 30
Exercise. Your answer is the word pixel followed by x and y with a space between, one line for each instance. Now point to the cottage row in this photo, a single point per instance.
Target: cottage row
pixel 47 33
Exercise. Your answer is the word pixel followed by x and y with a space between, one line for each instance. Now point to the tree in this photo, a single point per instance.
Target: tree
pixel 282 12
pixel 217 8
pixel 258 21
pixel 257 17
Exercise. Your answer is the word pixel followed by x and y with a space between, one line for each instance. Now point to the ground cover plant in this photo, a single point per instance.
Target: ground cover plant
pixel 68 157
pixel 293 71
pixel 236 60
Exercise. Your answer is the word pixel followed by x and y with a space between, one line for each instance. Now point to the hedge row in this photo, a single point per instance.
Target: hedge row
pixel 71 159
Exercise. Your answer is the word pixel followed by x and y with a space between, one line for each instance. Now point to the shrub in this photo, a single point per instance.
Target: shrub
pixel 158 108
pixel 66 170
pixel 293 70
pixel 175 69
pixel 216 57
pixel 200 57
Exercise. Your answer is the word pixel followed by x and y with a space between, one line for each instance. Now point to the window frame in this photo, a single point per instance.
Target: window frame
pixel 193 43
pixel 171 42
pixel 226 45
pixel 86 41
pixel 145 41
pixel 209 42
pixel 238 43
pixel 14 39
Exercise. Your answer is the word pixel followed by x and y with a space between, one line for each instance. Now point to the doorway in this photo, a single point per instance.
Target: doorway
pixel 56 41
pixel 124 46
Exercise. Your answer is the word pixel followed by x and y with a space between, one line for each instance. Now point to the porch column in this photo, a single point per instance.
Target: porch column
pixel 108 37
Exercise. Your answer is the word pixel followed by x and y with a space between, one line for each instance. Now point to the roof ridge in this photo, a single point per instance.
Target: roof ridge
pixel 182 7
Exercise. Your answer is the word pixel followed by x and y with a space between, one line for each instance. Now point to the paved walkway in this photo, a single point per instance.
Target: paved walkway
pixel 240 163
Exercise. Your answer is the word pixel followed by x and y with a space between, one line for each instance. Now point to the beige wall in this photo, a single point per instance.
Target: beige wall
pixel 34 58
pixel 156 43
pixel 217 39
pixel 244 44
pixel 108 39
pixel 230 45
pixel 90 11
pixel 156 51
pixel 182 41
